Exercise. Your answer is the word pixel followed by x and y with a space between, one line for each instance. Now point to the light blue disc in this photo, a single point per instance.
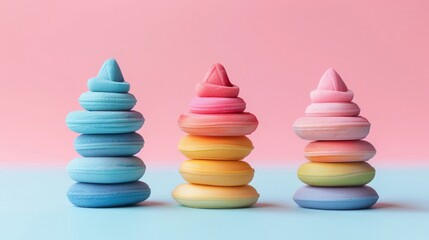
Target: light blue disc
pixel 92 195
pixel 108 145
pixel 104 122
pixel 106 170
pixel 102 85
pixel 336 198
pixel 105 101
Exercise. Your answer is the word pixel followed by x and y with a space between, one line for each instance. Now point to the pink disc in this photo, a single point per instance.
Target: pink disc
pixel 207 105
pixel 325 96
pixel 337 109
pixel 331 128
pixel 339 151
pixel 230 124
pixel 212 90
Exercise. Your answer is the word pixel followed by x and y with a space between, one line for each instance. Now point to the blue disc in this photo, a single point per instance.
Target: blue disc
pixel 104 122
pixel 111 71
pixel 336 198
pixel 108 145
pixel 106 170
pixel 105 101
pixel 102 85
pixel 92 195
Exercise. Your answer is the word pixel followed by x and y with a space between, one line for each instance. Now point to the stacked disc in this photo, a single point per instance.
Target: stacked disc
pixel 337 172
pixel 107 173
pixel 216 146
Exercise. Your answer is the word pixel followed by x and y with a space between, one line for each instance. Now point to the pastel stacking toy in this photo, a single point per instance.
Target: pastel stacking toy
pixel 337 171
pixel 216 145
pixel 107 173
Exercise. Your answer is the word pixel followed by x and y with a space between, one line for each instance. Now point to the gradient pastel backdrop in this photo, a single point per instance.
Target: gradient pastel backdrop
pixel 275 51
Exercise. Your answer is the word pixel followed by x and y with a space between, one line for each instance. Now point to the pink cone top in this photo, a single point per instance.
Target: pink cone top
pixel 217 76
pixel 216 84
pixel 332 81
pixel 331 89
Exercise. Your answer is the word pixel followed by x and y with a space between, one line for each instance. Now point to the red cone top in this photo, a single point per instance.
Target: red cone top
pixel 217 75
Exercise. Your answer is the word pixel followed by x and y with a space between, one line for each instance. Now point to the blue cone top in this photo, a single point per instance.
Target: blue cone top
pixel 109 79
pixel 111 71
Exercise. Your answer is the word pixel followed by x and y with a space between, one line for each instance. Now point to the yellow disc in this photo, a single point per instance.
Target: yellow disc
pixel 215 148
pixel 217 173
pixel 336 174
pixel 203 196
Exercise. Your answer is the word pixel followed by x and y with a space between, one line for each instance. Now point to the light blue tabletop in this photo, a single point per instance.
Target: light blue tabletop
pixel 34 206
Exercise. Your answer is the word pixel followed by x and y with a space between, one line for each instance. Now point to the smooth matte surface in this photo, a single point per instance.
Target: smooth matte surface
pixel 34 206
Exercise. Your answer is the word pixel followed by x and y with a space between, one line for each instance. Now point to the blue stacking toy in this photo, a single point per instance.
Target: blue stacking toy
pixel 107 174
pixel 92 195
pixel 336 198
pixel 108 145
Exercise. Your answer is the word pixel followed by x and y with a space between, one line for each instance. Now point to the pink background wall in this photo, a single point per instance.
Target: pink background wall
pixel 275 51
